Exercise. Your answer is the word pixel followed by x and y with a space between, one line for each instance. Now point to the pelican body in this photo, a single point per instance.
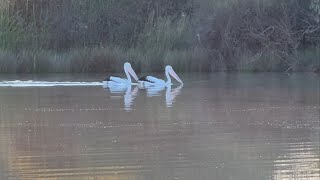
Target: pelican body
pixel 115 80
pixel 153 81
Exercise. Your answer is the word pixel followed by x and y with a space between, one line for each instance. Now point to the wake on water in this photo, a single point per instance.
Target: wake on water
pixel 30 83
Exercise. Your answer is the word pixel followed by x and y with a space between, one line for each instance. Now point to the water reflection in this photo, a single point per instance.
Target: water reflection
pixel 131 92
pixel 129 96
pixel 153 91
pixel 301 162
pixel 172 94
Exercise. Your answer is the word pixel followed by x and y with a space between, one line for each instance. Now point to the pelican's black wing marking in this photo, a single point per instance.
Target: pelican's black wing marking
pixel 108 78
pixel 145 78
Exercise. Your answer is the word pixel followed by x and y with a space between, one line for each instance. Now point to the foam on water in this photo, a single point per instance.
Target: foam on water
pixel 31 83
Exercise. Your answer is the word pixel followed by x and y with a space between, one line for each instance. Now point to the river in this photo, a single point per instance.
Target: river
pixel 220 126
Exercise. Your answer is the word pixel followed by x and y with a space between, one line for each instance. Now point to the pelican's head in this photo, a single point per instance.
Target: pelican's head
pixel 170 70
pixel 127 68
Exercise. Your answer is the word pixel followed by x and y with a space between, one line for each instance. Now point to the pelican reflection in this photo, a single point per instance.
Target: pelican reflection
pixel 129 96
pixel 154 90
pixel 170 94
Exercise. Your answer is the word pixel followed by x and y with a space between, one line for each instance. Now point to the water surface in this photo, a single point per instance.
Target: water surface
pixel 216 126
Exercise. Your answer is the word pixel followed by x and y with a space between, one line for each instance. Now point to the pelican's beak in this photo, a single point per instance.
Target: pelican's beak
pixel 133 74
pixel 174 74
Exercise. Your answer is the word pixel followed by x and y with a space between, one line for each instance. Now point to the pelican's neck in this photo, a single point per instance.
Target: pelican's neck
pixel 127 74
pixel 168 78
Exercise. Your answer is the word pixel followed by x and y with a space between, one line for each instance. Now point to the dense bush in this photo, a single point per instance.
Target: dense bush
pixel 203 35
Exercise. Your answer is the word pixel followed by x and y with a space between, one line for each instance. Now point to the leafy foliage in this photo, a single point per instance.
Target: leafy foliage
pixel 203 35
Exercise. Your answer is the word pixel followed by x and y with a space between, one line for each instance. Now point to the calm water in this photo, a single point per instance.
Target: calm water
pixel 217 126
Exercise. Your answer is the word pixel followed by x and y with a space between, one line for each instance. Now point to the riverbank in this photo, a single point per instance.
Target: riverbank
pixel 107 59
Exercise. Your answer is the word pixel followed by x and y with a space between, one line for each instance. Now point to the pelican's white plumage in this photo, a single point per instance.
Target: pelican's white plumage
pixel 114 80
pixel 150 80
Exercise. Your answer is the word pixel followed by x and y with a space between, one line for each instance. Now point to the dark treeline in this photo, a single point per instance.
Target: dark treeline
pixel 191 35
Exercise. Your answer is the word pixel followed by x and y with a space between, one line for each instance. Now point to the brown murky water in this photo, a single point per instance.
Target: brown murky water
pixel 217 126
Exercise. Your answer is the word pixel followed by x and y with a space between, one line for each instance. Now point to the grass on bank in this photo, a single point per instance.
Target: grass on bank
pixel 98 60
pixel 111 59
pixel 204 36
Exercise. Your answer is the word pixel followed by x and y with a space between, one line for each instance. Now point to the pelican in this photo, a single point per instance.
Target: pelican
pixel 114 80
pixel 151 81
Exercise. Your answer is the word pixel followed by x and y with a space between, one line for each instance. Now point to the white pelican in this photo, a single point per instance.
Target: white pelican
pixel 151 81
pixel 114 80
